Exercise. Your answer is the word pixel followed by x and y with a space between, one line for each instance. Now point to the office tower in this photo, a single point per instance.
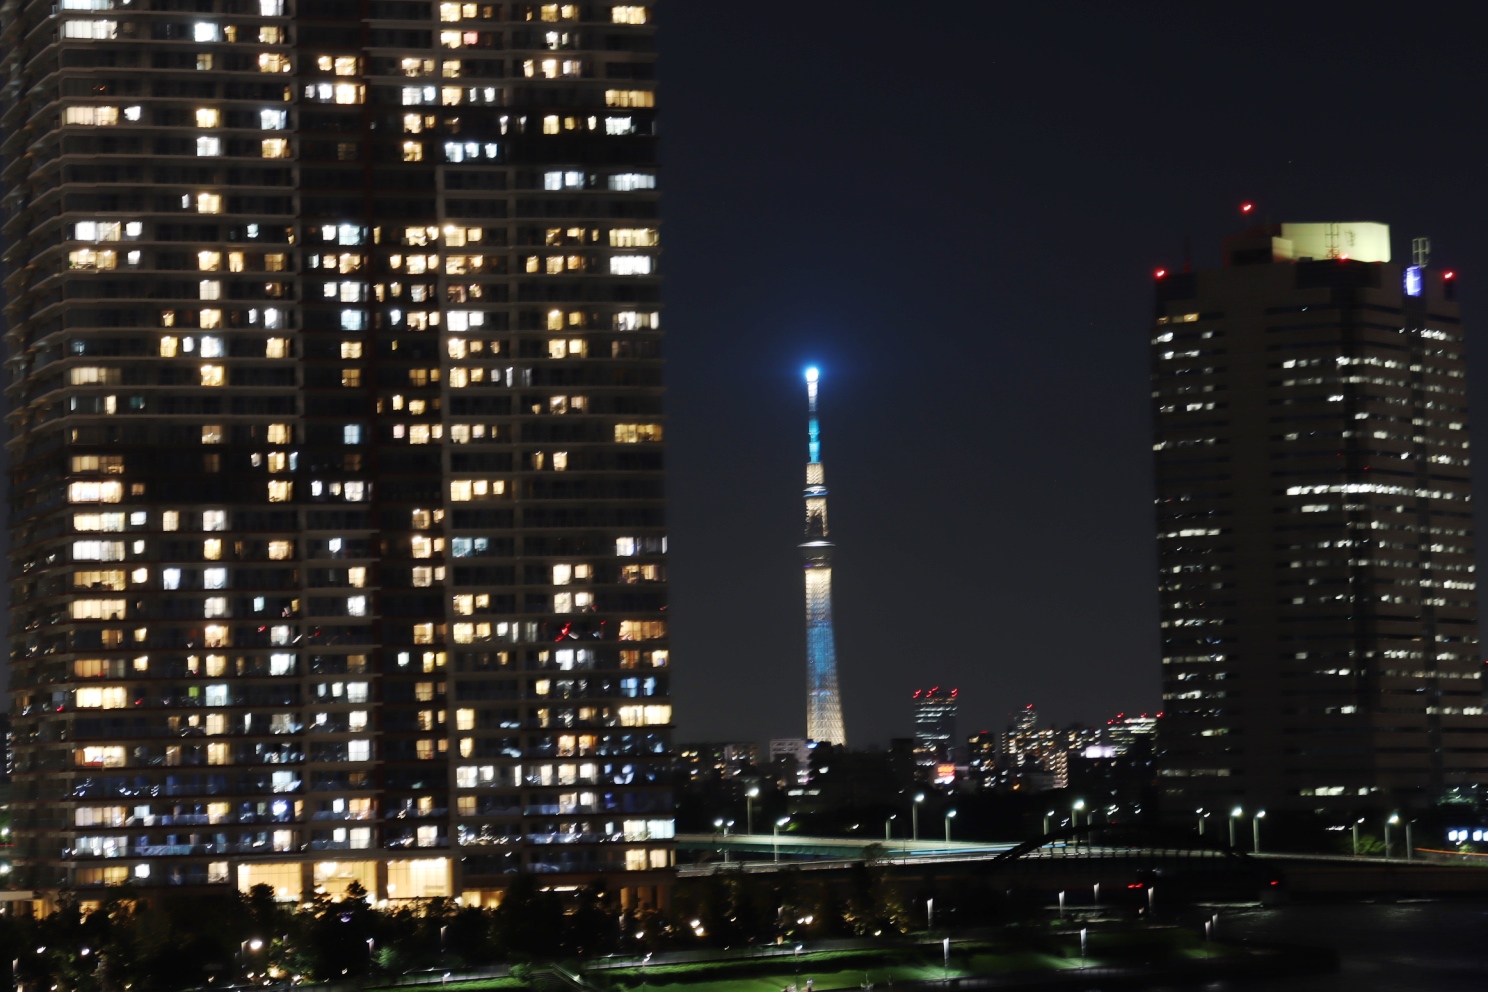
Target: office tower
pixel 823 700
pixel 1124 734
pixel 934 727
pixel 1318 607
pixel 337 511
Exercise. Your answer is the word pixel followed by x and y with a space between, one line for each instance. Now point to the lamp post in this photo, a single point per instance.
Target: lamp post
pixel 244 947
pixel 888 823
pixel 1393 819
pixel 722 826
pixel 1075 812
pixel 1356 835
pixel 1235 814
pixel 1200 814
pixel 749 798
pixel 1255 830
pixel 1047 817
pixel 914 810
pixel 950 815
pixel 1409 843
pixel 778 824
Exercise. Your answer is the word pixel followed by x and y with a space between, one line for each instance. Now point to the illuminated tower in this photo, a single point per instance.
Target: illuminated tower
pixel 823 700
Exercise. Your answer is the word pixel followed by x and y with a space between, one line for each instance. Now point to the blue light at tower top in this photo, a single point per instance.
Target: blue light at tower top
pixel 812 375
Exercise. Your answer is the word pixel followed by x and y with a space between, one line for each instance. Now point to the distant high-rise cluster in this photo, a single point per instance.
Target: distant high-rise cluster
pixel 823 697
pixel 1318 601
pixel 337 515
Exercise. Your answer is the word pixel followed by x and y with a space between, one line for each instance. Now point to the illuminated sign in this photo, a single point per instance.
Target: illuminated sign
pixel 1412 280
pixel 945 774
pixel 1462 835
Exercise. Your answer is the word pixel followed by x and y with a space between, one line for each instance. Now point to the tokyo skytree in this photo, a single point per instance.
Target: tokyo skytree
pixel 823 699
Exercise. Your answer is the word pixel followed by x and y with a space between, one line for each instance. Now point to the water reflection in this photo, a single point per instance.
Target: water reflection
pixel 1383 947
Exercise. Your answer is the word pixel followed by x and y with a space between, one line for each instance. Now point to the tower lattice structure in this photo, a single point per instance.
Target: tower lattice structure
pixel 823 698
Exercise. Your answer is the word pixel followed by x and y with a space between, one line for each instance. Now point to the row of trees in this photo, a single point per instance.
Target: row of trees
pixel 173 942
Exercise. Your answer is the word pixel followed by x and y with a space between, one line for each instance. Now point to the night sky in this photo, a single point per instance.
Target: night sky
pixel 958 219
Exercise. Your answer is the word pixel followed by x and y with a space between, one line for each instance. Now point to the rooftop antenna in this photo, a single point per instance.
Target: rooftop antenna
pixel 1332 235
pixel 1420 251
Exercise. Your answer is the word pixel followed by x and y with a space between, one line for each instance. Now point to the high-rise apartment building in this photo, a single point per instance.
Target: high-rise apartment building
pixel 336 413
pixel 1318 604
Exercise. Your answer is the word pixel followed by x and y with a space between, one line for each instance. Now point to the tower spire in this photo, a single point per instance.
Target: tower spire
pixel 823 700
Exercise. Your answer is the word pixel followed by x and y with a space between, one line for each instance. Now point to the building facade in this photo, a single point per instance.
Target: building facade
pixel 336 446
pixel 934 728
pixel 1318 602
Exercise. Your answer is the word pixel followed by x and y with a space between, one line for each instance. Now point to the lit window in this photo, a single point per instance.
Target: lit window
pixel 628 14
pixel 209 146
pixel 208 203
pixel 92 116
pixel 213 375
pixel 630 265
pixel 413 151
pixel 208 117
pixel 625 182
pixel 275 148
pixel 630 98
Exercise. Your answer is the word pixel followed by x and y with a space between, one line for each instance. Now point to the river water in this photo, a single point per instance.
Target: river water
pixel 1383 947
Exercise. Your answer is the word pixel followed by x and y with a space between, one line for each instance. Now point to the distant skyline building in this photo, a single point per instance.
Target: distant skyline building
pixel 1318 606
pixel 935 727
pixel 823 698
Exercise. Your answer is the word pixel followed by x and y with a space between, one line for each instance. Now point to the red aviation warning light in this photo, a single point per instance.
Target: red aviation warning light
pixel 1246 208
pixel 1159 273
pixel 1449 275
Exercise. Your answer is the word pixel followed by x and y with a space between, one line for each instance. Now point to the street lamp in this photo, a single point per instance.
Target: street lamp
pixel 950 815
pixel 778 824
pixel 1255 830
pixel 1075 812
pixel 1235 814
pixel 1201 814
pixel 1356 835
pixel 914 810
pixel 888 823
pixel 1047 816
pixel 749 798
pixel 1394 819
pixel 244 947
pixel 1409 843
